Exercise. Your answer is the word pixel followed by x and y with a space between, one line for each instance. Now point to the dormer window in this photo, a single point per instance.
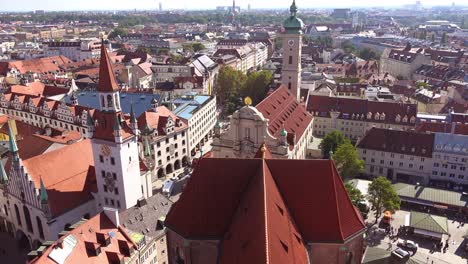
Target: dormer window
pixel 377 116
pixel 405 119
pixel 382 116
pixel 398 118
pixel 413 120
pixel 369 115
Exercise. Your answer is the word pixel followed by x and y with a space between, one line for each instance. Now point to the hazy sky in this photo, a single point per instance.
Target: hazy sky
pixel 27 5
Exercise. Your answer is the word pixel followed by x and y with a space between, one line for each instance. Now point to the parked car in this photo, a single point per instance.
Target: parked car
pixel 168 187
pixel 400 253
pixel 407 244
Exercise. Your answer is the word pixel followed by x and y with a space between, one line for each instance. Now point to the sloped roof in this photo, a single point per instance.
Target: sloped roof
pixel 428 222
pixel 284 111
pixel 157 120
pixel 431 194
pixel 264 209
pixel 88 232
pixel 68 175
pixel 107 82
pixel 106 121
pixel 398 141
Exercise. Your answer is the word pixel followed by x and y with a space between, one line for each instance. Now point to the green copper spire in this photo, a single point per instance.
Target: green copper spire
pixel 132 114
pixel 283 132
pixel 13 146
pixel 292 24
pixel 44 196
pixel 3 176
pixel 117 125
pixel 293 9
pixel 147 148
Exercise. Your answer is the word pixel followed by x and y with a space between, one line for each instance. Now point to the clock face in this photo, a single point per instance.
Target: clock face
pixel 105 150
pixel 291 42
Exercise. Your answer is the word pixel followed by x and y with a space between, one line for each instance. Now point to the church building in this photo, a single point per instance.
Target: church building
pixel 281 120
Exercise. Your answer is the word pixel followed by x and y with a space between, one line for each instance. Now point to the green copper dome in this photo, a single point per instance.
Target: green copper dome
pixel 283 133
pixel 293 24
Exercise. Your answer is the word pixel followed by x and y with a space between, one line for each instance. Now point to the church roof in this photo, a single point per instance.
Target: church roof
pixel 107 82
pixel 265 210
pixel 293 24
pixel 284 111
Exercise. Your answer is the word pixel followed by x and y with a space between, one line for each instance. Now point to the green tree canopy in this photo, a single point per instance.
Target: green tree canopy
pixel 122 32
pixel 382 196
pixel 347 160
pixel 256 85
pixel 368 54
pixel 228 86
pixel 354 194
pixel 331 142
pixel 198 46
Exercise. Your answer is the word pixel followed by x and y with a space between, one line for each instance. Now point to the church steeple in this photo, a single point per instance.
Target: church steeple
pixel 44 195
pixel 108 89
pixel 3 175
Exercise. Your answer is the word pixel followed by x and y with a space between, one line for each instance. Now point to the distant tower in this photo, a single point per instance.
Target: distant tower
pixel 160 7
pixel 292 50
pixel 233 12
pixel 248 7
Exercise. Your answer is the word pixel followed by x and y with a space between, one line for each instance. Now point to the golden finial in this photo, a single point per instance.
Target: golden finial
pixel 263 150
pixel 248 101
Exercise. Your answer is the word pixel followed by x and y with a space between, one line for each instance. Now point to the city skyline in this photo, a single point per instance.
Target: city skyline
pixel 56 5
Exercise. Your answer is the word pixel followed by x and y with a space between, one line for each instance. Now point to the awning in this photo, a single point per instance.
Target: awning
pixel 440 206
pixel 428 233
pixel 427 203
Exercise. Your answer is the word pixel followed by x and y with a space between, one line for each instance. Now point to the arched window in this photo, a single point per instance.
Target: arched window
pixel 27 217
pixel 109 101
pixel 6 209
pixel 39 227
pixel 18 216
pixel 102 101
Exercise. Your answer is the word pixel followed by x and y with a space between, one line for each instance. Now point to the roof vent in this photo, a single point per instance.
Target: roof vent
pixel 141 202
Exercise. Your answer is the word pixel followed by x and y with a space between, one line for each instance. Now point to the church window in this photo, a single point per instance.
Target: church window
pixel 112 161
pixel 101 158
pixel 39 227
pixel 18 217
pixel 102 100
pixel 105 188
pixel 114 176
pixel 289 86
pixel 290 59
pixel 109 100
pixel 27 217
pixel 116 190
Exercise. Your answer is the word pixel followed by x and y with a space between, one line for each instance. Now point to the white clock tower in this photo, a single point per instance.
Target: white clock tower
pixel 115 147
pixel 292 50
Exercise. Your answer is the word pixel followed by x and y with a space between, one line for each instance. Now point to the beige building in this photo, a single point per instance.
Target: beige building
pixel 402 63
pixel 279 121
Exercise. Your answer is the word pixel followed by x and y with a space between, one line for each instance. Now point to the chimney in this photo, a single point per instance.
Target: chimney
pixel 113 215
pixel 141 202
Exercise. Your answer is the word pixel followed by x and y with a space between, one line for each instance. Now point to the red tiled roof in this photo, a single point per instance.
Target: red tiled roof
pixel 87 233
pixel 280 197
pixel 67 173
pixel 157 120
pixel 398 141
pixel 323 105
pixel 40 65
pixel 107 82
pixel 460 129
pixel 284 111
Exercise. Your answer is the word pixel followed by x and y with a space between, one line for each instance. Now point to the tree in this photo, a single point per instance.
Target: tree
pixel 347 160
pixel 331 142
pixel 354 194
pixel 382 196
pixel 368 54
pixel 188 48
pixel 144 50
pixel 256 85
pixel 176 58
pixel 228 87
pixel 326 41
pixel 122 32
pixel 198 46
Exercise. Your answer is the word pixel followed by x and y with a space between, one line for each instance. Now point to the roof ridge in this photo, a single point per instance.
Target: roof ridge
pixel 265 206
pixel 333 169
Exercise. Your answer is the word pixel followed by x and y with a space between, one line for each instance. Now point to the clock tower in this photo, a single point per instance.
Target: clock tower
pixel 292 50
pixel 115 147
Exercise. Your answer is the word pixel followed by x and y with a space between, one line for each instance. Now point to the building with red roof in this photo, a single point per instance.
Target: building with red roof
pixel 279 120
pixel 354 116
pixel 264 210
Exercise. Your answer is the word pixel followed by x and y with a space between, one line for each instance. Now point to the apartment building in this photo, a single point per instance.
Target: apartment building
pixel 199 111
pixel 429 158
pixel 354 117
pixel 403 62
